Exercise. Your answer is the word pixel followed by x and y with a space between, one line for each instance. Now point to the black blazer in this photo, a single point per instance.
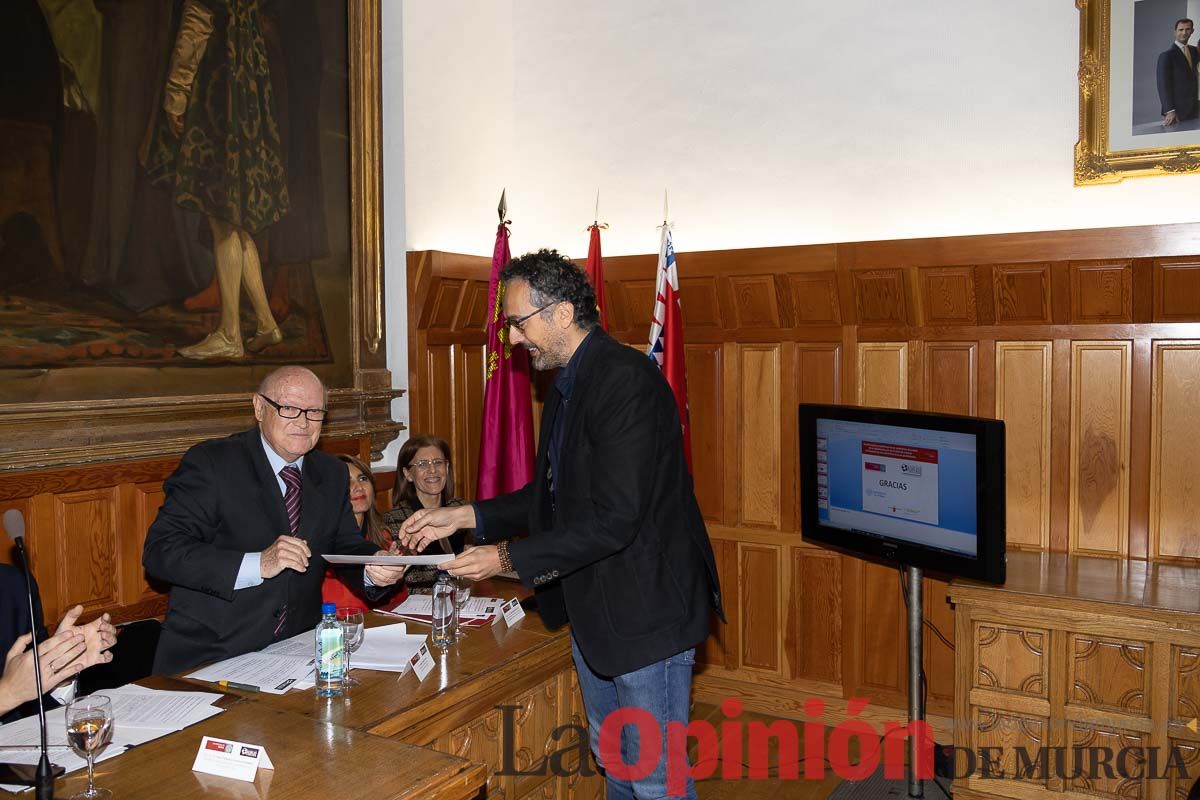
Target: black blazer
pixel 222 502
pixel 1177 85
pixel 620 550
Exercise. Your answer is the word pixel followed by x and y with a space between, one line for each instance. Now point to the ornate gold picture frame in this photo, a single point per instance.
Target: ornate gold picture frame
pixel 110 378
pixel 1122 101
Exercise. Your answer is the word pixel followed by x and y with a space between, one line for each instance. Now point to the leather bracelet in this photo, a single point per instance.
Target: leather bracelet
pixel 506 564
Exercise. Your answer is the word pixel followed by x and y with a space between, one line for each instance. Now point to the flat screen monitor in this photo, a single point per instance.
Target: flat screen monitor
pixel 907 488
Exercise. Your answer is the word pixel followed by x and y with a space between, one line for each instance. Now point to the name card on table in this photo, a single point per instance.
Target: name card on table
pixel 231 759
pixel 512 611
pixel 422 661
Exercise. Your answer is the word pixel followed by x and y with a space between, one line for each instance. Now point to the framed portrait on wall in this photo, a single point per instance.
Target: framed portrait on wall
pixel 1139 101
pixel 189 198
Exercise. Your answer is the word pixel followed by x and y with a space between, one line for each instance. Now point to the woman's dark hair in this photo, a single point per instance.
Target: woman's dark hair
pixel 552 277
pixel 376 532
pixel 405 492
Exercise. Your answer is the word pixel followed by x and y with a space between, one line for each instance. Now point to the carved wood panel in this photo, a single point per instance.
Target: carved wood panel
pixel 482 742
pixel 1011 659
pixel 1082 736
pixel 1101 291
pixel 815 615
pixel 879 297
pixel 534 721
pixel 1109 674
pixel 1099 499
pixel 950 370
pixel 86 535
pixel 698 298
pixel 439 393
pixel 639 296
pixel 883 374
pixel 755 304
pixel 1023 385
pixel 473 315
pixel 1180 787
pixel 705 388
pixel 1021 293
pixel 446 295
pixel 759 604
pixel 1174 490
pixel 882 646
pixel 1176 290
pixel 947 295
pixel 758 432
pixel 146 500
pixel 1008 732
pixel 468 396
pixel 815 298
pixel 1185 667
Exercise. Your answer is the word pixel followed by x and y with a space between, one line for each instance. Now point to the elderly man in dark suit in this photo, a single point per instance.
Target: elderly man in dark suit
pixel 242 528
pixel 1177 84
pixel 616 543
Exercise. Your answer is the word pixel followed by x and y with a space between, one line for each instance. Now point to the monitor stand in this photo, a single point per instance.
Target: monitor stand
pixel 914 602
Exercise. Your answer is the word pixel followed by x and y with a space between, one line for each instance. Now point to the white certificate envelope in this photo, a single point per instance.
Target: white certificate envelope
pixel 429 560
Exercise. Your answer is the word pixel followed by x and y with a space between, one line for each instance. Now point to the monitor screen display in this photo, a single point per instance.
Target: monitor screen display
pixel 913 484
pixel 905 487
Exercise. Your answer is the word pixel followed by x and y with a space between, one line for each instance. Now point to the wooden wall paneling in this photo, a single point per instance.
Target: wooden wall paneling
pixel 883 374
pixel 720 648
pixel 950 387
pixel 880 297
pixel 139 506
pixel 1101 291
pixel 759 459
pixel 85 532
pixel 471 365
pixel 874 634
pixel 473 309
pixel 947 296
pixel 698 298
pixel 1143 289
pixel 985 306
pixel 1021 293
pixel 639 297
pixel 815 613
pixel 1024 376
pixel 949 378
pixel 439 394
pixel 731 399
pixel 818 379
pixel 706 413
pixel 985 379
pixel 760 590
pixel 755 301
pixel 814 298
pixel 1100 398
pixel 446 294
pixel 788 436
pixel 1176 290
pixel 1060 446
pixel 1174 492
pixel 1139 448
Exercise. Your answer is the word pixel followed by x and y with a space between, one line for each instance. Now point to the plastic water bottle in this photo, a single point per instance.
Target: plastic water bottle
pixel 331 653
pixel 445 621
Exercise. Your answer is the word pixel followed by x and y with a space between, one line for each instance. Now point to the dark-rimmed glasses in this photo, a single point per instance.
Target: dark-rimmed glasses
pixel 519 322
pixel 291 412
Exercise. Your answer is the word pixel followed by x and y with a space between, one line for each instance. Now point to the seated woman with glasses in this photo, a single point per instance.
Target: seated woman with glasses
pixel 371 525
pixel 424 479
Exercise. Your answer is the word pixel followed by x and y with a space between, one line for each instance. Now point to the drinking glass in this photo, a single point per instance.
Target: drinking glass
pixel 461 595
pixel 352 628
pixel 89 729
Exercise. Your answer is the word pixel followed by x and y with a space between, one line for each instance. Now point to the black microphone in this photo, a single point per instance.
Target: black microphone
pixel 14 525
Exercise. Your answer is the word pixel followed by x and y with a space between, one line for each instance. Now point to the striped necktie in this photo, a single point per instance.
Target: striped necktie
pixel 291 497
pixel 291 501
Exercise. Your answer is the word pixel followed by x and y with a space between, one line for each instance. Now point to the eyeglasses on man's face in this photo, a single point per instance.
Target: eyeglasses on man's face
pixel 291 412
pixel 429 463
pixel 519 322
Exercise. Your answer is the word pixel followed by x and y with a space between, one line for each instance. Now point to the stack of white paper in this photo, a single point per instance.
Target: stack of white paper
pixel 139 715
pixel 476 612
pixel 274 670
pixel 387 647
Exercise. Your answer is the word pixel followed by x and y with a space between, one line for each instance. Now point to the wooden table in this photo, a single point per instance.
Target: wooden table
pixel 1079 653
pixel 501 690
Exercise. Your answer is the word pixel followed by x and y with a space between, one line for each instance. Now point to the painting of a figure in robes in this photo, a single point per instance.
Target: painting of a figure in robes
pixel 174 183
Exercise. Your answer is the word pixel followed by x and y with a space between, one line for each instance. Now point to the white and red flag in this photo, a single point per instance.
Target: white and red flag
pixel 666 334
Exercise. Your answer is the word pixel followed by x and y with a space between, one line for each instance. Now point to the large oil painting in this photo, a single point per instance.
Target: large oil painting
pixel 176 195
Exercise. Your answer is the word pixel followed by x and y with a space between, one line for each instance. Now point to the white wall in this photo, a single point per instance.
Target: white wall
pixel 395 296
pixel 772 122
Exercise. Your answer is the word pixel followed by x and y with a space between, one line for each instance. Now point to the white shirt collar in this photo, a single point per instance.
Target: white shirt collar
pixel 276 461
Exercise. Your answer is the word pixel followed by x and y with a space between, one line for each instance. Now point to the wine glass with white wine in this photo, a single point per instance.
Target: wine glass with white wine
pixel 89 729
pixel 352 631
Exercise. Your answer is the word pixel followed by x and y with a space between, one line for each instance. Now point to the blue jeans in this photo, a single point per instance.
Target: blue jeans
pixel 663 689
